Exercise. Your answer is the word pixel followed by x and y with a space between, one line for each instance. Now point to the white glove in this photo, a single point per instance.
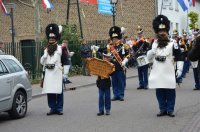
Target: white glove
pixel 71 54
pixel 179 65
pixel 154 47
pixel 124 61
pixel 45 53
pixel 151 53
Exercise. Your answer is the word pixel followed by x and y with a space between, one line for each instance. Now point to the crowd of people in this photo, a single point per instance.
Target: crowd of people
pixel 166 57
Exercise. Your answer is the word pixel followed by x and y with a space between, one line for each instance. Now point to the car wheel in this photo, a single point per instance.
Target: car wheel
pixel 19 106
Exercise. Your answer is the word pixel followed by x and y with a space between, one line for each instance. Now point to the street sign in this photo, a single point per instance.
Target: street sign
pixel 105 7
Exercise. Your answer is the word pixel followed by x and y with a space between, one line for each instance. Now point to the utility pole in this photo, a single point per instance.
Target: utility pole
pixel 12 30
pixel 37 21
pixel 68 8
pixel 79 16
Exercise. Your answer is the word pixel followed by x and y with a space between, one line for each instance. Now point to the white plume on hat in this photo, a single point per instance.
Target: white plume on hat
pixel 60 28
pixel 123 29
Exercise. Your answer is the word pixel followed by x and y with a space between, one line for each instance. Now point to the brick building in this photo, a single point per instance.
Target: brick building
pixel 130 14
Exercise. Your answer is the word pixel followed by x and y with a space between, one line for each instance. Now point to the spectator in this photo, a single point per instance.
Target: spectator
pixel 66 60
pixel 85 54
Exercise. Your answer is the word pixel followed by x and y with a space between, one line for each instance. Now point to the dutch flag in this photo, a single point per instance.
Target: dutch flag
pixel 3 8
pixel 192 2
pixel 47 4
pixel 184 4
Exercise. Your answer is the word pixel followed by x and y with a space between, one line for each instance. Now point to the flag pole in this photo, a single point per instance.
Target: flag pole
pixel 161 8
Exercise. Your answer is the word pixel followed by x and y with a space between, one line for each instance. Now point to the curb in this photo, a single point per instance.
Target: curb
pixel 75 87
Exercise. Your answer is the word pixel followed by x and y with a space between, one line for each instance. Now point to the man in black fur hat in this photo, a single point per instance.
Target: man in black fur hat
pixel 163 75
pixel 194 57
pixel 194 53
pixel 120 54
pixel 51 60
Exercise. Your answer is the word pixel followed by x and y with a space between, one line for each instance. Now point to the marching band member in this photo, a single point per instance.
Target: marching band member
pixel 104 84
pixel 140 48
pixel 193 57
pixel 120 54
pixel 162 77
pixel 176 38
pixel 53 78
pixel 184 45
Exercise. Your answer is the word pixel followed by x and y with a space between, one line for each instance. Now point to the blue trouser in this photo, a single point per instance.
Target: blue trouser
pixel 118 84
pixel 166 99
pixel 143 75
pixel 196 78
pixel 185 68
pixel 104 99
pixel 55 102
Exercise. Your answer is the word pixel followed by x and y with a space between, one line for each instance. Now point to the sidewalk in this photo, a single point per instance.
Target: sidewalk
pixel 80 81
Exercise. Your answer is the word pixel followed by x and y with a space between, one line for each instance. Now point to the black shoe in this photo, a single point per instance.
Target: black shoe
pixel 196 89
pixel 145 88
pixel 114 99
pixel 170 114
pixel 107 112
pixel 67 81
pixel 60 113
pixel 161 114
pixel 51 113
pixel 140 87
pixel 100 113
pixel 121 99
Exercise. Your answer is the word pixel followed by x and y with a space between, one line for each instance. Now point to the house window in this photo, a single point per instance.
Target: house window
pixel 167 2
pixel 172 27
pixel 171 6
pixel 177 26
pixel 176 6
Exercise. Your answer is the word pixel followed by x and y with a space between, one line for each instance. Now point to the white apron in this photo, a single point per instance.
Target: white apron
pixel 53 77
pixel 162 74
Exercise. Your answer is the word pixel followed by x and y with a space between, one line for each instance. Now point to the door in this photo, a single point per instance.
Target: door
pixel 29 56
pixel 5 88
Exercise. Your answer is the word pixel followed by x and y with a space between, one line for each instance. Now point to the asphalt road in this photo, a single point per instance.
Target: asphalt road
pixel 136 114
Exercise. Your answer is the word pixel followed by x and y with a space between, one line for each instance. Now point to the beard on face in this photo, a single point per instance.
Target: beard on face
pixel 51 48
pixel 162 40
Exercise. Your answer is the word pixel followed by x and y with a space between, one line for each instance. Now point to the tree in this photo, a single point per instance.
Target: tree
pixel 194 17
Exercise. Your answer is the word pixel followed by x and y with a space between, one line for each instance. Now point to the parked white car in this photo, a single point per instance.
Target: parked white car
pixel 15 87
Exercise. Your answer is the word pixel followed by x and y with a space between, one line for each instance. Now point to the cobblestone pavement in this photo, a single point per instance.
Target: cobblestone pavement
pixel 136 114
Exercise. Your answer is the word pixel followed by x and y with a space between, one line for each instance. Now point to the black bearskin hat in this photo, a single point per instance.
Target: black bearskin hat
pixel 196 31
pixel 52 31
pixel 161 22
pixel 115 32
